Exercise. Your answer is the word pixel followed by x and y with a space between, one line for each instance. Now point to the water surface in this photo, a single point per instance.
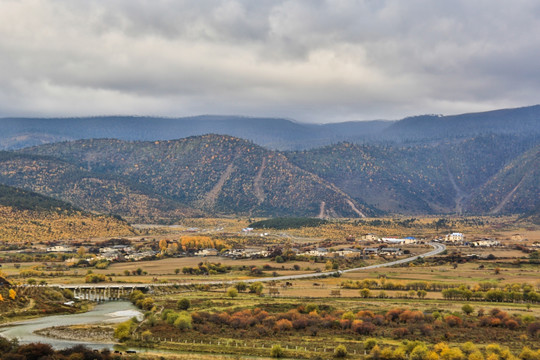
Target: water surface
pixel 108 312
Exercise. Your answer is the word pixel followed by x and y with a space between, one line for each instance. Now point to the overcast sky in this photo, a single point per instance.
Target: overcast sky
pixel 309 60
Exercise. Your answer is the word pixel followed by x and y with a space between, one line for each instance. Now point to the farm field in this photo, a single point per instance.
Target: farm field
pixel 306 318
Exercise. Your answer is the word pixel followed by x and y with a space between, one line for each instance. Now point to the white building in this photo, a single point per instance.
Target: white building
pixel 408 240
pixel 61 248
pixel 207 252
pixel 348 252
pixel 485 243
pixel 316 252
pixel 391 251
pixel 454 237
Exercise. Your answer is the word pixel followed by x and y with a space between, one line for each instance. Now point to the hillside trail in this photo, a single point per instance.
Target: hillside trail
pixel 460 194
pixel 210 198
pixel 354 208
pixel 507 198
pixel 31 304
pixel 321 212
pixel 257 188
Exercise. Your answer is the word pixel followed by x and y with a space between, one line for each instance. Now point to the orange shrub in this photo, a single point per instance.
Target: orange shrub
pixel 283 325
pixel 452 320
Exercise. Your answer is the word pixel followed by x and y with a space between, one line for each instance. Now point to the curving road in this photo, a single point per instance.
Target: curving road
pixel 437 249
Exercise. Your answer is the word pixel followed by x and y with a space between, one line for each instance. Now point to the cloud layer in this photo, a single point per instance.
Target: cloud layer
pixel 310 60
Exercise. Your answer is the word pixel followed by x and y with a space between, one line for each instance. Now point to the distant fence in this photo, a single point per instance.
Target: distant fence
pixel 353 349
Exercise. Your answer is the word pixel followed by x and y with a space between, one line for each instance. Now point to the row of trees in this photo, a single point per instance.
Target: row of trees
pixel 385 284
pixel 417 350
pixel 206 269
pixel 496 295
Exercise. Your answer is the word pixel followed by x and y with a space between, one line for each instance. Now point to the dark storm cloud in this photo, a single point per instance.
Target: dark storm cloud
pixel 309 60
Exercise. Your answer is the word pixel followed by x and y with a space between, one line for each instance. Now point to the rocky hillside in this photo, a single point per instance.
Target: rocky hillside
pixel 90 191
pixel 460 176
pixel 223 175
pixel 514 188
pixel 27 216
pixel 213 173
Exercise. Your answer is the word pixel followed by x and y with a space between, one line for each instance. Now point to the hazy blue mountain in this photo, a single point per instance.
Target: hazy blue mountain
pixel 525 120
pixel 268 132
pixel 273 133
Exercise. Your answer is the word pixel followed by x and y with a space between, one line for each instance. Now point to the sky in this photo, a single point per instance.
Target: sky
pixel 308 60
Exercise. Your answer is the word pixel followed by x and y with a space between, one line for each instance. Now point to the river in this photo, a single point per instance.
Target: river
pixel 109 312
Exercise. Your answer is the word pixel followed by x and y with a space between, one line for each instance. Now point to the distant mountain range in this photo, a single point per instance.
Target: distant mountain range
pixel 276 134
pixel 484 163
pixel 280 134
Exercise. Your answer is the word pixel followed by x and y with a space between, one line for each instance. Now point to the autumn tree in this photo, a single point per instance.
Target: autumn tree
pixel 81 252
pixel 232 292
pixel 467 309
pixel 172 248
pixel 183 304
pixel 163 245
pixel 340 351
pixel 277 351
pixel 365 293
pixel 256 287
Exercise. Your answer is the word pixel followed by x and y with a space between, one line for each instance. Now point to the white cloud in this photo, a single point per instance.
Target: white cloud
pixel 309 60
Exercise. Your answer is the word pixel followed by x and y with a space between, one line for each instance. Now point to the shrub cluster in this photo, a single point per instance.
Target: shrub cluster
pixel 206 269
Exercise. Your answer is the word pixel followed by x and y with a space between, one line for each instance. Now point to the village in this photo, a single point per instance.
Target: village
pixel 367 246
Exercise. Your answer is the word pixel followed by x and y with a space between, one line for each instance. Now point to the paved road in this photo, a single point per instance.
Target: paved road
pixel 437 249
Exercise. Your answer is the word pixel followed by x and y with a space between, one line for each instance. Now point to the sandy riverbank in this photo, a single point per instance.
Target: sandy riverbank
pixel 93 333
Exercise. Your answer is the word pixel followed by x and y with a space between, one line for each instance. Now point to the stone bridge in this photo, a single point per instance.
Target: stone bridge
pixel 108 292
pixel 104 292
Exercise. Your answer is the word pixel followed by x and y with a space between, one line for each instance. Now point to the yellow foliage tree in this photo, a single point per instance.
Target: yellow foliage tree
pixel 477 355
pixel 172 248
pixel 163 245
pixel 201 242
pixel 1 297
pixel 12 294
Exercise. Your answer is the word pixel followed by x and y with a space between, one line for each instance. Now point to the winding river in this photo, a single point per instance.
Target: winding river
pixel 108 312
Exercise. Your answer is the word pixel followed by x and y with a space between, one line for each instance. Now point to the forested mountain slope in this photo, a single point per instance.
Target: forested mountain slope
pixel 427 178
pixel 513 189
pixel 100 193
pixel 27 216
pixel 214 173
pixel 223 175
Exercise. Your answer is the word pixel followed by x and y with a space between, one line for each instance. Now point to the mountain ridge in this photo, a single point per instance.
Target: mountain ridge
pixel 274 133
pixel 420 165
pixel 215 174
